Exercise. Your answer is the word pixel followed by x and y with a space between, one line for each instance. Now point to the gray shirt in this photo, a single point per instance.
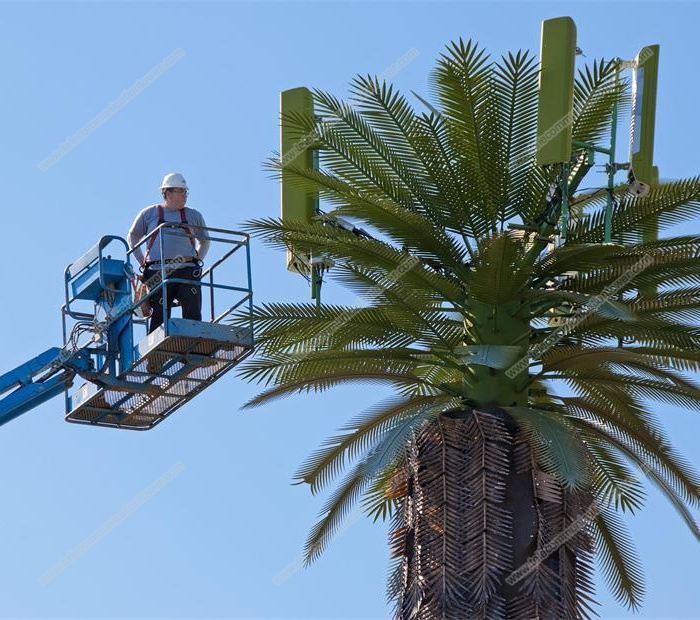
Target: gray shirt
pixel 175 240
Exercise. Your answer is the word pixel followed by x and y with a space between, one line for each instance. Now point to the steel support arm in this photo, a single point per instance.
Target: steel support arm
pixel 27 393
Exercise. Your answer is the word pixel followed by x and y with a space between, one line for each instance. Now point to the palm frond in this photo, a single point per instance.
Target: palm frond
pixel 596 90
pixel 668 204
pixel 614 483
pixel 324 381
pixel 514 82
pixel 629 428
pixel 360 435
pixel 556 445
pixel 499 274
pixel 462 84
pixel 620 564
pixel 650 470
pixel 343 246
pixel 381 456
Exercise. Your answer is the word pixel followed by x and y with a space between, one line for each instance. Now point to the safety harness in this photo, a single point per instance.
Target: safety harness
pixel 161 220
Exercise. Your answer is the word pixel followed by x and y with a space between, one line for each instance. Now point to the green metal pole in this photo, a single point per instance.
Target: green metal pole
pixel 590 147
pixel 316 272
pixel 611 167
pixel 564 224
pixel 315 277
pixel 312 277
pixel 318 288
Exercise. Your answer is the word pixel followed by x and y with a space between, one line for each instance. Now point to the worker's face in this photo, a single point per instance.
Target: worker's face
pixel 175 198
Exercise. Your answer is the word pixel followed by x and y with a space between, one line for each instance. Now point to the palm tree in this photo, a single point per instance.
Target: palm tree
pixel 513 442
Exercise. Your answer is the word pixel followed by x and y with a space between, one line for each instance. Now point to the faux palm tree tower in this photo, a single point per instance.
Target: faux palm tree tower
pixel 524 323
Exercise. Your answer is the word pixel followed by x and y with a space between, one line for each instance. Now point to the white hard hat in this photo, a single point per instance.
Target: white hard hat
pixel 173 179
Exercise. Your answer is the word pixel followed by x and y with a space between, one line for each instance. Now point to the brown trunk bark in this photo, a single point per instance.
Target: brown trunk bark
pixel 476 510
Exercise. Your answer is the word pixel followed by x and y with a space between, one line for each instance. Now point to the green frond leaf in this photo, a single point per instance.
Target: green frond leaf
pixel 381 456
pixel 617 556
pixel 359 437
pixel 323 382
pixel 555 443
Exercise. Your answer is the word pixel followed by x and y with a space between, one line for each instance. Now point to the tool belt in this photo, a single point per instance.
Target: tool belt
pixel 168 261
pixel 141 288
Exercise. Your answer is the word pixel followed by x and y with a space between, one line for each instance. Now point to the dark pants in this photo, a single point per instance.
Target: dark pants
pixel 189 294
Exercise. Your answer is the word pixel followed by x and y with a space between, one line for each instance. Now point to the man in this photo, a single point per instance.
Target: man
pixel 182 246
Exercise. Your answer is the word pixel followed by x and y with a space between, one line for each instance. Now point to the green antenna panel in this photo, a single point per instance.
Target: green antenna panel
pixel 644 82
pixel 556 94
pixel 296 150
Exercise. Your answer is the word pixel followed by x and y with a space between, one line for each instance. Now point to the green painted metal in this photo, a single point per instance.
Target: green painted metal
pixel 591 147
pixel 556 91
pixel 652 234
pixel 564 221
pixel 316 273
pixel 317 295
pixel 644 84
pixel 503 325
pixel 316 281
pixel 649 235
pixel 607 228
pixel 296 150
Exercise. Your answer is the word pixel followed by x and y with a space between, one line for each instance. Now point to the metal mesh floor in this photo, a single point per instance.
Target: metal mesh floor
pixel 174 371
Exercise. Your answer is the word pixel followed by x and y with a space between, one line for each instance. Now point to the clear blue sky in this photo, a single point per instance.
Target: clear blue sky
pixel 209 543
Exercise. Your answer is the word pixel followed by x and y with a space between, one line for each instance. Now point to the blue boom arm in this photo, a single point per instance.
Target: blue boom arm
pixel 40 379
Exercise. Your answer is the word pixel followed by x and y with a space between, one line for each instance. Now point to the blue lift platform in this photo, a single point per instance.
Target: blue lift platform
pixel 134 382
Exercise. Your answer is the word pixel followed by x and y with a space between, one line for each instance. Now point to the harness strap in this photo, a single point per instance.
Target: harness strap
pixel 161 220
pixel 186 228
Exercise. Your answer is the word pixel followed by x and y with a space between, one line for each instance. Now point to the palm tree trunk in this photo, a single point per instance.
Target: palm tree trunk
pixel 476 509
